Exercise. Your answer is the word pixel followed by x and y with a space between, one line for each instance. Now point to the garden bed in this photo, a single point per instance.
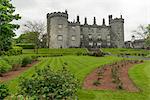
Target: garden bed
pixel 112 77
pixel 14 73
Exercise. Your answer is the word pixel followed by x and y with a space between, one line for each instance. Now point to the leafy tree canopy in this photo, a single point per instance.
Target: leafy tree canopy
pixel 6 27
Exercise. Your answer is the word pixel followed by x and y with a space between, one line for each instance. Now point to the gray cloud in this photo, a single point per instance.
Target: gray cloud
pixel 135 12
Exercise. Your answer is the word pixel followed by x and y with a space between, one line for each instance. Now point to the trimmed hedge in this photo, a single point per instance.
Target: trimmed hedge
pixel 26 46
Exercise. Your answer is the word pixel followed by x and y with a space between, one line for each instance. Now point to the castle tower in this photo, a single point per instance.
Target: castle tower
pixel 117 31
pixel 57 28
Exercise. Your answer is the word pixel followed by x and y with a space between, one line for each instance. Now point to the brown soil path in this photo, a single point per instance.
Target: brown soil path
pixel 106 79
pixel 12 74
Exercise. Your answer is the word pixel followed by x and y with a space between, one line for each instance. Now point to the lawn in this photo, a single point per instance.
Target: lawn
pixel 125 51
pixel 80 66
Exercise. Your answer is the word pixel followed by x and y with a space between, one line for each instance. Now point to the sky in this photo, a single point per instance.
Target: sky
pixel 134 12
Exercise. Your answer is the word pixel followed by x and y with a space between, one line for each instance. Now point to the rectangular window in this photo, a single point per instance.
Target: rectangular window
pixel 73 38
pixel 60 26
pixel 59 37
pixel 99 44
pixel 91 43
pixel 90 36
pixel 81 36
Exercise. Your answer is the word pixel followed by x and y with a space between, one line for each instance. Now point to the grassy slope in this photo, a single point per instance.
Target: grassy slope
pixel 82 65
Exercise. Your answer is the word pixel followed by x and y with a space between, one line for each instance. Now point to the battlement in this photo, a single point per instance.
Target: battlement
pixel 111 20
pixel 57 14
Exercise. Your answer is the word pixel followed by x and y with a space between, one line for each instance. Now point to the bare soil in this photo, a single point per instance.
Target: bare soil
pixel 14 73
pixel 106 79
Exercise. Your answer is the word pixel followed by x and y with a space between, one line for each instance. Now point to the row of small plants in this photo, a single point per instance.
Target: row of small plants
pixel 45 84
pixel 8 63
pixel 115 68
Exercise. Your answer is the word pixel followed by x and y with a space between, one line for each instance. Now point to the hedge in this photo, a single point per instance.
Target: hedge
pixel 26 46
pixel 4 66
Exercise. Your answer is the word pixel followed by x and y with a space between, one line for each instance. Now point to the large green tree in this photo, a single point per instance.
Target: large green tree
pixel 7 28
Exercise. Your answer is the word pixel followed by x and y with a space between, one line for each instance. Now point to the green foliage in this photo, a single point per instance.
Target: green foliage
pixel 4 92
pixel 4 66
pixel 13 51
pixel 26 46
pixel 6 27
pixel 48 84
pixel 26 60
pixel 14 61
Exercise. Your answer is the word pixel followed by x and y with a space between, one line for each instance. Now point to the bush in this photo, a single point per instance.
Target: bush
pixel 49 85
pixel 4 92
pixel 26 60
pixel 13 51
pixel 4 66
pixel 14 61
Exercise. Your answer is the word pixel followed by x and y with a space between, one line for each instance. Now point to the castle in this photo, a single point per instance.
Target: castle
pixel 65 34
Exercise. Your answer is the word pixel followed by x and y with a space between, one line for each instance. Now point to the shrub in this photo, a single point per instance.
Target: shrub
pixel 26 60
pixel 14 61
pixel 4 66
pixel 13 51
pixel 50 85
pixel 4 92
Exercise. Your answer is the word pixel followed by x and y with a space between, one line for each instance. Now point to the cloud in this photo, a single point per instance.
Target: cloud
pixel 135 12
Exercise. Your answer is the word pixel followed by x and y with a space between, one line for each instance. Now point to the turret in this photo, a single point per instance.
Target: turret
pixel 117 29
pixel 57 23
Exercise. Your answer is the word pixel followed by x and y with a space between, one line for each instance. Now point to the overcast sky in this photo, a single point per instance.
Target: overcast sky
pixel 135 12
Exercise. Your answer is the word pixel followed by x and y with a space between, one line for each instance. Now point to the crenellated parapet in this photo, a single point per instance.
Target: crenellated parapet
pixel 111 20
pixel 57 14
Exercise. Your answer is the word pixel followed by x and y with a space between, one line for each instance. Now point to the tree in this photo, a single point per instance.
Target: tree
pixel 36 30
pixel 6 27
pixel 143 33
pixel 47 84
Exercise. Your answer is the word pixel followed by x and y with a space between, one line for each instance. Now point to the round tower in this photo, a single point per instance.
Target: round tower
pixel 57 29
pixel 117 31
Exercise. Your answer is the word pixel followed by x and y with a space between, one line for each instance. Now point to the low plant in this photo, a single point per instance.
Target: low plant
pixel 96 82
pixel 49 85
pixel 26 60
pixel 4 92
pixel 4 66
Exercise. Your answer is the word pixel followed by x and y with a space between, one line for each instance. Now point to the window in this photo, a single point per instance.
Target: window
pixel 59 37
pixel 108 44
pixel 99 44
pixel 60 26
pixel 90 36
pixel 99 36
pixel 108 37
pixel 91 43
pixel 81 36
pixel 73 38
pixel 73 27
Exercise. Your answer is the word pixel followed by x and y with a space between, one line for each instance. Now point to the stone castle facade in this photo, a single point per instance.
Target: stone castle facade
pixel 65 34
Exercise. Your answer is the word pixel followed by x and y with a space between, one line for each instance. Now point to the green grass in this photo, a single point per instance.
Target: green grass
pixel 80 66
pixel 133 52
